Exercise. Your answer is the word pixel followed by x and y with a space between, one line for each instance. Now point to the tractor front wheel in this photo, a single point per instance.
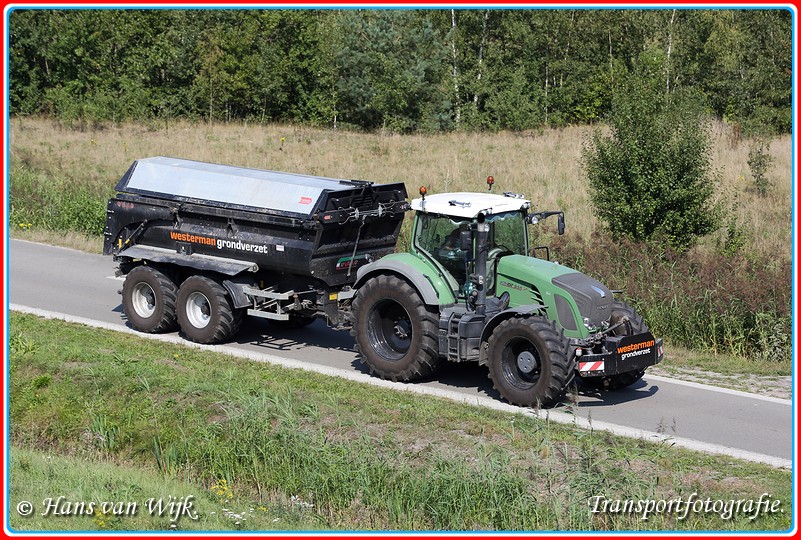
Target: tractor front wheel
pixel 528 361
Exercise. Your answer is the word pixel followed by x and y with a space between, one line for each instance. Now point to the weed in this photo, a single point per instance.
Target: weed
pixel 104 520
pixel 760 161
pixel 21 345
pixel 166 458
pixel 771 336
pixel 735 237
pixel 104 433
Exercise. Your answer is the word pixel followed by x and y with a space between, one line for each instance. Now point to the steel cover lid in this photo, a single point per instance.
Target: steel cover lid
pixel 236 186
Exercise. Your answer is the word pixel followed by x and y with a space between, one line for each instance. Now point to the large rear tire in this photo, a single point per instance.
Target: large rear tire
pixel 205 312
pixel 528 361
pixel 396 334
pixel 148 300
pixel 632 324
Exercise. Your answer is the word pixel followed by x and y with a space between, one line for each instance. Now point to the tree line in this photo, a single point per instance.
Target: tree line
pixel 400 70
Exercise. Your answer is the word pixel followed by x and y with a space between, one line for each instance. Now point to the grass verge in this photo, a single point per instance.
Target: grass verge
pixel 345 456
pixel 73 493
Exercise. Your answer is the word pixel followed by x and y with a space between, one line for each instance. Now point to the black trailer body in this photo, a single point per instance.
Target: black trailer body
pixel 266 236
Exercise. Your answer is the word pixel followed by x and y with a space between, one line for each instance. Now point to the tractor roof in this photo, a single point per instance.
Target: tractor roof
pixel 469 205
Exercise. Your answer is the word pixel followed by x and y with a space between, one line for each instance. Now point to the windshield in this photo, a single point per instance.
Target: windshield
pixel 438 236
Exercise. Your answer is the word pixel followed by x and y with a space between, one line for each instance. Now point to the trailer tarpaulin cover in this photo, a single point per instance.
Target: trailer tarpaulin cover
pixel 250 189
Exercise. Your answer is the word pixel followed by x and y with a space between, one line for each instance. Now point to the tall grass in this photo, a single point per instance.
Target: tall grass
pixel 44 201
pixel 544 165
pixel 737 304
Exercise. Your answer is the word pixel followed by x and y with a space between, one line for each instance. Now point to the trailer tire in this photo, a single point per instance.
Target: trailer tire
pixel 396 334
pixel 528 361
pixel 635 325
pixel 148 299
pixel 205 311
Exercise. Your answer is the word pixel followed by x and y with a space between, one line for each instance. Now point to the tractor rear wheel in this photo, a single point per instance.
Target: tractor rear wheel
pixel 632 324
pixel 396 334
pixel 528 361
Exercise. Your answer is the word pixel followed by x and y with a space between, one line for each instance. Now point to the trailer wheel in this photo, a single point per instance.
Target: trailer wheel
pixel 205 312
pixel 634 325
pixel 396 334
pixel 528 361
pixel 148 299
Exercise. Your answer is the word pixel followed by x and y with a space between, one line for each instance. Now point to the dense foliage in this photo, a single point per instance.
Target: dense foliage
pixel 404 70
pixel 737 304
pixel 652 178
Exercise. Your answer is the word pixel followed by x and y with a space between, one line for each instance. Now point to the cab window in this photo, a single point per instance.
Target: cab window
pixel 439 237
pixel 508 233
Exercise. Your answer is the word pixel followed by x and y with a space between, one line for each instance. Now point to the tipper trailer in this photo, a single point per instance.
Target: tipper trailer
pixel 203 245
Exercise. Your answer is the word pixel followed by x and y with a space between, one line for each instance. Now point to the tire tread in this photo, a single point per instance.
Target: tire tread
pixel 562 368
pixel 426 360
pixel 168 291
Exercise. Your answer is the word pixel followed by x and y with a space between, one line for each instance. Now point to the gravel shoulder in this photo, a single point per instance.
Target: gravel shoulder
pixel 765 385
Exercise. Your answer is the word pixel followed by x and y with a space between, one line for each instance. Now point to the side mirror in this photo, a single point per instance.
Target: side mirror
pixel 465 241
pixel 539 216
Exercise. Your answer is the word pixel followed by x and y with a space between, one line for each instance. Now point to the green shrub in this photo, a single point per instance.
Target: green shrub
pixel 760 161
pixel 652 177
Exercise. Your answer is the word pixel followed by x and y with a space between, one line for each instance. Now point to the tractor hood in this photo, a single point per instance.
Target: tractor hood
pixel 569 295
pixel 594 300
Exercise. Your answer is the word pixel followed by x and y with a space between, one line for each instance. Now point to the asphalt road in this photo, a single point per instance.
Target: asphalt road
pixel 64 281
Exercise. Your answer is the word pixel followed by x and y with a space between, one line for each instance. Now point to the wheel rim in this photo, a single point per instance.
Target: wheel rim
pixel 198 310
pixel 389 329
pixel 143 300
pixel 521 364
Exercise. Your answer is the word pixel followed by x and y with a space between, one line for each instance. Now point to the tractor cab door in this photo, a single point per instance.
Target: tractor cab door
pixel 437 238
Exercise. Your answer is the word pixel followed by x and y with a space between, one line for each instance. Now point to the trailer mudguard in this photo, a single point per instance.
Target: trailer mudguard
pixel 206 263
pixel 236 288
pixel 434 290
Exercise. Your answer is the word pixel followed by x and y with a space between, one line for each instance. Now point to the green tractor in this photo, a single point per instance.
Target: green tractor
pixel 469 290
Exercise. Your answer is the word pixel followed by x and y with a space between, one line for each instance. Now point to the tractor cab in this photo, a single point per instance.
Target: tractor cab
pixel 443 233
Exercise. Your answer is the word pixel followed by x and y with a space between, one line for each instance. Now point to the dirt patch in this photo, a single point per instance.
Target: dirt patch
pixel 170 362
